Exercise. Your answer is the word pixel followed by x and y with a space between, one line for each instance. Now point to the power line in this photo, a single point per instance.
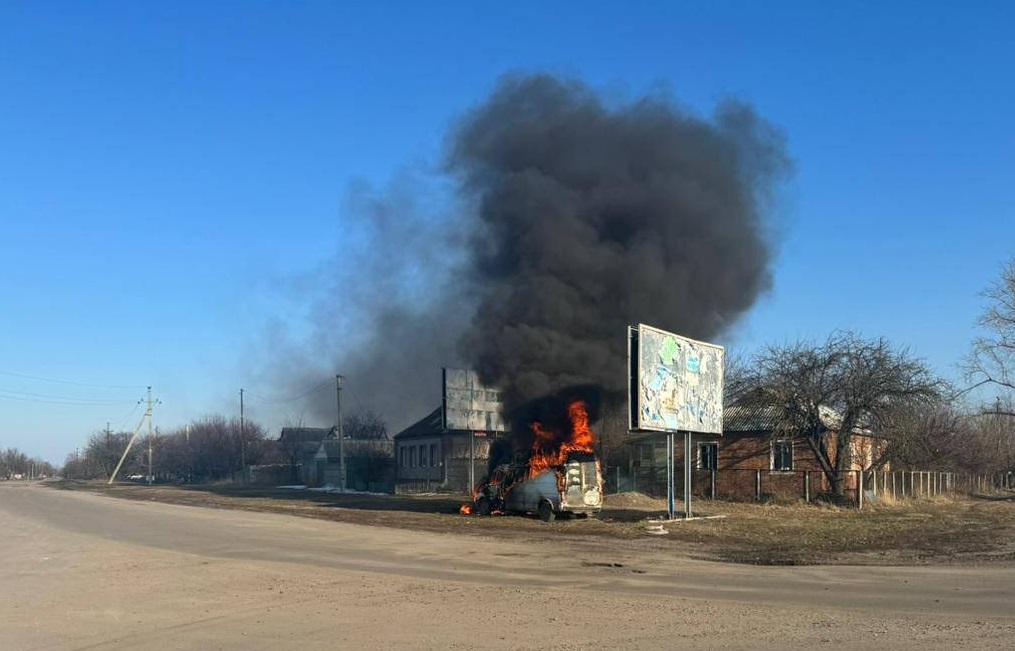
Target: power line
pixel 358 401
pixel 80 384
pixel 7 394
pixel 126 418
pixel 325 383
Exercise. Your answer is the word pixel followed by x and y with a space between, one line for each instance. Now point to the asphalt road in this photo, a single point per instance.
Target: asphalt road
pixel 83 571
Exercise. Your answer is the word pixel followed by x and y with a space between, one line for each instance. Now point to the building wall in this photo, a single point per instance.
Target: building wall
pixel 740 450
pixel 420 458
pixel 451 472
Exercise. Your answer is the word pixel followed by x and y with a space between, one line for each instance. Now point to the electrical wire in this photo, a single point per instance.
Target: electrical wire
pixel 7 394
pixel 79 384
pixel 289 399
pixel 122 421
pixel 359 402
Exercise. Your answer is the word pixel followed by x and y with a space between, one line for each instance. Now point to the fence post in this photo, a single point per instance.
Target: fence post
pixel 757 484
pixel 859 490
pixel 807 486
pixel 712 478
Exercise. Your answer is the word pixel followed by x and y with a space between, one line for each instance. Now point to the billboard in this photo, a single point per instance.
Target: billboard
pixel 676 383
pixel 468 404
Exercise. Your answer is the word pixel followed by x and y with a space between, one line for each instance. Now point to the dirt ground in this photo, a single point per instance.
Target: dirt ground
pixel 82 571
pixel 978 529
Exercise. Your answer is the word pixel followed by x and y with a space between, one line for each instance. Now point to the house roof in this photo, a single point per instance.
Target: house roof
pixel 353 447
pixel 748 414
pixel 429 425
pixel 306 434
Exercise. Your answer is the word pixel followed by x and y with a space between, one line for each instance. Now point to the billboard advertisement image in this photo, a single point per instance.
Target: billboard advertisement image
pixel 676 383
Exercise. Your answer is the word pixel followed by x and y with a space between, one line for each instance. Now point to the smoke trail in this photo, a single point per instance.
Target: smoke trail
pixel 590 217
pixel 386 310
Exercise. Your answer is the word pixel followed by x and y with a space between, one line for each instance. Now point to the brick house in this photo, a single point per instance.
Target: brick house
pixel 751 460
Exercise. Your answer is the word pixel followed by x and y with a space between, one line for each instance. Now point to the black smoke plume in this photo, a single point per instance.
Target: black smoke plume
pixel 591 216
pixel 577 216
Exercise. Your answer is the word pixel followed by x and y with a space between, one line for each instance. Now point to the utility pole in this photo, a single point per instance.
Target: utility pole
pixel 109 449
pixel 243 439
pixel 341 437
pixel 147 416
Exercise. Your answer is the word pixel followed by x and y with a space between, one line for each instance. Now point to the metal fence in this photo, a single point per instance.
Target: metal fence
pixel 807 485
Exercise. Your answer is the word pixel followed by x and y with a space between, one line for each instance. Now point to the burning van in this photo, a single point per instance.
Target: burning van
pixel 574 488
pixel 558 475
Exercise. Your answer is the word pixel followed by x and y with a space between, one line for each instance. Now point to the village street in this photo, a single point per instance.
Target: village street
pixel 83 571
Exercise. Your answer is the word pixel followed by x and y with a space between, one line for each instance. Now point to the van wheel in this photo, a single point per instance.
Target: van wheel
pixel 546 513
pixel 483 505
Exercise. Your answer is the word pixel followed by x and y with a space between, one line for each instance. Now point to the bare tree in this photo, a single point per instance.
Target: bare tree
pixel 367 426
pixel 13 463
pixel 930 436
pixel 738 377
pixel 103 451
pixel 828 393
pixel 992 361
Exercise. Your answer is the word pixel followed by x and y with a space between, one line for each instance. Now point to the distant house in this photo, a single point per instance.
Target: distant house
pixel 369 464
pixel 429 457
pixel 299 446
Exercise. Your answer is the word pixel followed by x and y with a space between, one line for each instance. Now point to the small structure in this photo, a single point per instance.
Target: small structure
pixel 298 447
pixel 369 464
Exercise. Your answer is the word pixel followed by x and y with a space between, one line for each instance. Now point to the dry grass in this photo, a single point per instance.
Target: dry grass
pixel 975 529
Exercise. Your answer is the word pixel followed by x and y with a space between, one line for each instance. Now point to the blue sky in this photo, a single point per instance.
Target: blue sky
pixel 170 171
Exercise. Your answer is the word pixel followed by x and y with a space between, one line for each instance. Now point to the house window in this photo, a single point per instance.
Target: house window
pixel 422 456
pixel 412 457
pixel 782 455
pixel 433 454
pixel 708 456
pixel 401 457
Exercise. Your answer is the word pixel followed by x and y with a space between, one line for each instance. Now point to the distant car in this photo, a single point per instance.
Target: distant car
pixel 135 477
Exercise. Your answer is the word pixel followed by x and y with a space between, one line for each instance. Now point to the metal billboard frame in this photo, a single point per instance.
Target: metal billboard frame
pixel 634 350
pixel 493 420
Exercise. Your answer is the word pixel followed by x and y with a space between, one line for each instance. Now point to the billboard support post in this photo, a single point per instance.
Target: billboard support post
pixel 670 479
pixel 687 474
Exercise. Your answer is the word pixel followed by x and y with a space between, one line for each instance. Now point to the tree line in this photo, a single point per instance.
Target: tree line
pixel 15 464
pixel 209 449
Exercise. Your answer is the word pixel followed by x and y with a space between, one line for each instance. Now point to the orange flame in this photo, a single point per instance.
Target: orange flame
pixel 548 453
pixel 466 509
